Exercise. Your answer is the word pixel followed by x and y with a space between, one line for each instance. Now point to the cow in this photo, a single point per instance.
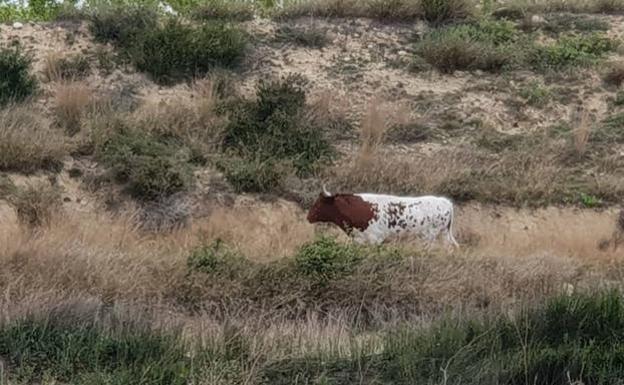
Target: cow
pixel 374 218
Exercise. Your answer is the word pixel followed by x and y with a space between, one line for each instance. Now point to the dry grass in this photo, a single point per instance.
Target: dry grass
pixel 582 132
pixel 58 67
pixel 71 101
pixel 614 74
pixel 27 144
pixel 193 120
pixel 36 204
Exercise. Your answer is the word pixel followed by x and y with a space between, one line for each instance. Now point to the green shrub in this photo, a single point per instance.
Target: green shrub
pixel 619 98
pixel 274 127
pixel 445 11
pixel 176 50
pixel 152 167
pixel 610 131
pixel 122 24
pixel 487 45
pixel 16 82
pixel 574 50
pixel 215 258
pixel 223 10
pixel 325 259
pixel 253 174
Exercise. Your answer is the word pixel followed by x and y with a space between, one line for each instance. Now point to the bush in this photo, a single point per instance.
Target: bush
pixel 484 46
pixel 325 259
pixel 215 258
pixel 124 24
pixel 153 168
pixel 275 128
pixel 27 143
pixel 571 51
pixel 16 83
pixel 223 10
pixel 253 174
pixel 445 11
pixel 176 51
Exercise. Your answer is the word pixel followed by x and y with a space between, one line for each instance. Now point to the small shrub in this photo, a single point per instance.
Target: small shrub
pixel 36 204
pixel 571 51
pixel 487 45
pixel 70 103
pixel 393 10
pixel 27 144
pixel 306 37
pixel 122 25
pixel 16 83
pixel 325 259
pixel 589 201
pixel 611 7
pixel 619 98
pixel 176 50
pixel 614 74
pixel 408 133
pixel 610 131
pixel 445 11
pixel 535 94
pixel 275 126
pixel 151 167
pixel 254 174
pixel 223 10
pixel 558 23
pixel 215 258
pixel 66 68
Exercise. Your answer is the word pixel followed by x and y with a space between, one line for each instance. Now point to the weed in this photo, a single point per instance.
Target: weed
pixel 589 201
pixel 536 94
pixel 16 83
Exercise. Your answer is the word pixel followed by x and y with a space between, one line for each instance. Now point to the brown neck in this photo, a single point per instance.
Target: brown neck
pixel 352 212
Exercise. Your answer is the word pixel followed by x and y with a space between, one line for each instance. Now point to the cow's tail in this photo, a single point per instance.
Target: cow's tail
pixel 449 230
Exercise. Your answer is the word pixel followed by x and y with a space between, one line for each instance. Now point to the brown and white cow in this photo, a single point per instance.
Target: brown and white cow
pixel 375 218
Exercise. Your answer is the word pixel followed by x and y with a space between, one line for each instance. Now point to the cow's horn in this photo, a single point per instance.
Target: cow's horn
pixel 325 192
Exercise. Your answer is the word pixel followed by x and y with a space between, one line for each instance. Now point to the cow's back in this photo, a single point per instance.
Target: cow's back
pixel 425 216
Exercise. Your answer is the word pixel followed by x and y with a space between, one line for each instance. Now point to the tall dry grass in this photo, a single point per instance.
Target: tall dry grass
pixel 582 132
pixel 71 101
pixel 27 143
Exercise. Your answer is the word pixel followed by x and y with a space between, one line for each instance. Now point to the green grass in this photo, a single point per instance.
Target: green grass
pixel 535 94
pixel 571 51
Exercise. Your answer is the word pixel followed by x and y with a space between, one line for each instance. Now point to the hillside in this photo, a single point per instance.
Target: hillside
pixel 157 163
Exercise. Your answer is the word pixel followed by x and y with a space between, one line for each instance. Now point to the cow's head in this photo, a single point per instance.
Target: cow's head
pixel 324 209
